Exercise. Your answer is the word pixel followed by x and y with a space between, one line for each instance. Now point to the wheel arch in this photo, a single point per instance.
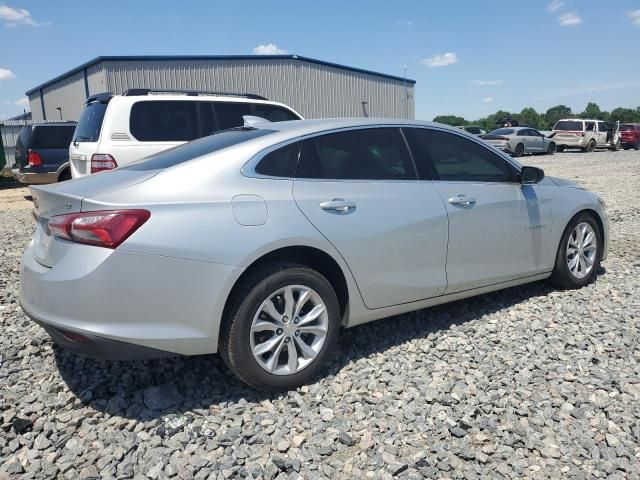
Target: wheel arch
pixel 598 220
pixel 307 256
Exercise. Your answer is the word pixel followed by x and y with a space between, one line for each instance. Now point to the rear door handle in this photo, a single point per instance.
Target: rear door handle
pixel 462 201
pixel 339 205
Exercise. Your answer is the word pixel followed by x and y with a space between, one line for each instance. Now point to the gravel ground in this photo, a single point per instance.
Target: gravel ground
pixel 526 382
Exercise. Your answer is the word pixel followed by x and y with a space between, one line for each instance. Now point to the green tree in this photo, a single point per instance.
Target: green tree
pixel 556 113
pixel 625 115
pixel 592 110
pixel 529 116
pixel 452 120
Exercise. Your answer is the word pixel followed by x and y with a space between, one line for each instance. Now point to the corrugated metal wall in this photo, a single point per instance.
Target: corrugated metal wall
pixel 9 130
pixel 314 90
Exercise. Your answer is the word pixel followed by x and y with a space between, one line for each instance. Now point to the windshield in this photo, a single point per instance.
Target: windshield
pixel 198 148
pixel 502 131
pixel 569 125
pixel 90 123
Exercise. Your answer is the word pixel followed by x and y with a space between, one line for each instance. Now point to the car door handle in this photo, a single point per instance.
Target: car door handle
pixel 339 205
pixel 462 201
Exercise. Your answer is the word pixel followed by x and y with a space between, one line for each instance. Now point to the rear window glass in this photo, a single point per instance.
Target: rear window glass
pixel 164 121
pixel 474 130
pixel 51 137
pixel 569 125
pixel 626 128
pixel 502 131
pixel 197 148
pixel 90 123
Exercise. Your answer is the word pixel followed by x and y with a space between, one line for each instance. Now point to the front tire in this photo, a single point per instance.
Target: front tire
pixel 551 149
pixel 281 325
pixel 637 146
pixel 579 252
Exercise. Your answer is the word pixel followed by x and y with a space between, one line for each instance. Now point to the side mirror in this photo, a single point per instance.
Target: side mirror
pixel 529 175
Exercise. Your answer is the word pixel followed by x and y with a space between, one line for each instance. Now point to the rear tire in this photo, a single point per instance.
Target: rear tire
pixel 637 146
pixel 249 342
pixel 64 175
pixel 560 148
pixel 590 147
pixel 570 274
pixel 519 150
pixel 551 149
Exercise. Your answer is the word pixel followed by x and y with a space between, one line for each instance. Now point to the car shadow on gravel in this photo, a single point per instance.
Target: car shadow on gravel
pixel 151 389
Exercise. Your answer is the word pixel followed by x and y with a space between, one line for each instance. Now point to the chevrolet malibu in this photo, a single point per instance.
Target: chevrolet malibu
pixel 261 242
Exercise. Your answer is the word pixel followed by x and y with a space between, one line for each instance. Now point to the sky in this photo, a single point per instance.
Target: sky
pixel 469 58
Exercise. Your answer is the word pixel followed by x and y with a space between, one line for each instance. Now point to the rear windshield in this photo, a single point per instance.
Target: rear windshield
pixel 51 137
pixel 90 123
pixel 569 125
pixel 502 131
pixel 625 128
pixel 198 148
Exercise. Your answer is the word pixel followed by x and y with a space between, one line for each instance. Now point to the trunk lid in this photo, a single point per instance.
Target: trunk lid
pixel 67 197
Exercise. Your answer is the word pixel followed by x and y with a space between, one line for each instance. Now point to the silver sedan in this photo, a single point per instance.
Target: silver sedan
pixel 518 141
pixel 261 242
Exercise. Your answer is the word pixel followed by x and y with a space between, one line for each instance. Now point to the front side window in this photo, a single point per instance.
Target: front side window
pixel 450 157
pixel 364 154
pixel 603 127
pixel 164 121
pixel 281 162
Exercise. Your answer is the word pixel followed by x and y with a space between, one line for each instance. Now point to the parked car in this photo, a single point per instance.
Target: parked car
pixel 585 134
pixel 261 242
pixel 42 153
pixel 630 135
pixel 518 141
pixel 116 130
pixel 473 129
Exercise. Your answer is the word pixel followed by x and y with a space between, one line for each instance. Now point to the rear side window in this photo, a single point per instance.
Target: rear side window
pixel 90 123
pixel 273 113
pixel 569 125
pixel 164 121
pixel 281 162
pixel 626 128
pixel 367 154
pixel 51 137
pixel 449 157
pixel 230 114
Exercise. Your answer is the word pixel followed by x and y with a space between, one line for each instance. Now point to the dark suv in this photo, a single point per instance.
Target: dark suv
pixel 42 153
pixel 630 135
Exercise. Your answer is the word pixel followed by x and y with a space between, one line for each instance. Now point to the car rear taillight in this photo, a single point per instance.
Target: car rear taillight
pixel 101 162
pixel 103 228
pixel 34 159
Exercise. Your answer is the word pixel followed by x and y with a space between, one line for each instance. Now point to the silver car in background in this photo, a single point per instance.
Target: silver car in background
pixel 261 242
pixel 518 141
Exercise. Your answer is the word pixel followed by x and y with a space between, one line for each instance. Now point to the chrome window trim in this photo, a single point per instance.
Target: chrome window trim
pixel 249 168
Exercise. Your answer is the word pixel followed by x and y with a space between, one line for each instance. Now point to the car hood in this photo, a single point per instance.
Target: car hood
pixel 561 182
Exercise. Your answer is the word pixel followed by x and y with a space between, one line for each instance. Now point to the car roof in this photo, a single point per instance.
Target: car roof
pixel 304 127
pixel 69 123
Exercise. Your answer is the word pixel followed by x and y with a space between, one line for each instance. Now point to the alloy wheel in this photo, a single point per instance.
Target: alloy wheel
pixel 289 330
pixel 581 250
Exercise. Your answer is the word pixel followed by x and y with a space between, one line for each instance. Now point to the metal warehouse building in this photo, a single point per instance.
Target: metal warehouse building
pixel 312 87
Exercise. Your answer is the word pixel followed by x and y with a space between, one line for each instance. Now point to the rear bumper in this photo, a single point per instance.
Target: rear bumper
pixel 34 178
pixel 97 347
pixel 580 142
pixel 504 146
pixel 121 301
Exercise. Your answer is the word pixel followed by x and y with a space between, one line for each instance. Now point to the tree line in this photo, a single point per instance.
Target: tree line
pixel 546 120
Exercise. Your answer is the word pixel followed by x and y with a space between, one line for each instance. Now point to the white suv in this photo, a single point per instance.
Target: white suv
pixel 116 130
pixel 586 134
